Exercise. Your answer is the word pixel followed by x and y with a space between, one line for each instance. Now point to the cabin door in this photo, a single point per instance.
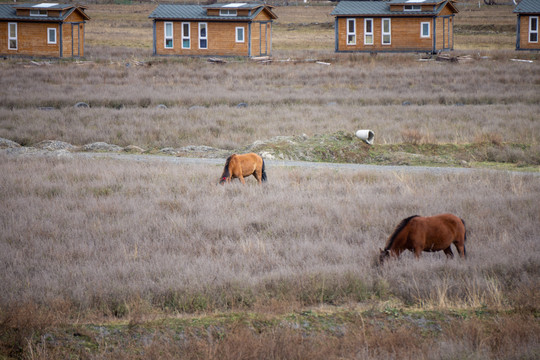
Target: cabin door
pixel 446 33
pixel 75 40
pixel 264 39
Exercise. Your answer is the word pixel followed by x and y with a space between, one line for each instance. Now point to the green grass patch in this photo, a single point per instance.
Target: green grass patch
pixel 342 147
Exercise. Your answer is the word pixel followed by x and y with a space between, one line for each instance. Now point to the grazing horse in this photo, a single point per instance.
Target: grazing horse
pixel 433 233
pixel 240 166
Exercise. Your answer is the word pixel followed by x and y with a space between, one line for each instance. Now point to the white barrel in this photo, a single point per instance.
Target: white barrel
pixel 366 136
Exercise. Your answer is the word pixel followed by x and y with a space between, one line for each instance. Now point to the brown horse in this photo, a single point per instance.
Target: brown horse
pixel 240 166
pixel 434 233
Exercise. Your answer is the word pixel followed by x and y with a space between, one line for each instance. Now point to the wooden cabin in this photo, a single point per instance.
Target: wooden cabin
pixel 528 13
pixel 234 29
pixel 394 26
pixel 46 29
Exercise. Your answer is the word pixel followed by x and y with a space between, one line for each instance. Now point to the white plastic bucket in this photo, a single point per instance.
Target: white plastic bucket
pixel 366 136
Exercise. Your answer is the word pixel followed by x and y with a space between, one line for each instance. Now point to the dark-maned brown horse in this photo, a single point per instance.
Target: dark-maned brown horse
pixel 433 233
pixel 243 165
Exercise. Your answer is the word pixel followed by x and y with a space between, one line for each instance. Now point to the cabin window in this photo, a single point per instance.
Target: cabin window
pixel 424 30
pixel 38 12
pixel 185 36
pixel 168 35
pixel 239 34
pixel 412 7
pixel 386 32
pixel 351 31
pixel 227 12
pixel 533 29
pixel 203 36
pixel 51 36
pixel 368 31
pixel 12 36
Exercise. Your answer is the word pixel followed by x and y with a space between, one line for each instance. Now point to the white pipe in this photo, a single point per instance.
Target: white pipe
pixel 366 136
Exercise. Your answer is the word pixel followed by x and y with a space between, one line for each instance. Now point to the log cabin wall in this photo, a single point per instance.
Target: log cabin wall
pixel 221 39
pixel 31 39
pixel 405 35
pixel 524 42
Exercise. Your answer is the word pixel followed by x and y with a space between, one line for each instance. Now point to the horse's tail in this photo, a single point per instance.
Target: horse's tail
pixel 464 237
pixel 396 232
pixel 263 177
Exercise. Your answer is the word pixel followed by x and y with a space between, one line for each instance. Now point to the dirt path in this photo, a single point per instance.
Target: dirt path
pixel 287 163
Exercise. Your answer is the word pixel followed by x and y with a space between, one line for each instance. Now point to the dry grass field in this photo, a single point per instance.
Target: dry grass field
pixel 106 259
pixel 86 242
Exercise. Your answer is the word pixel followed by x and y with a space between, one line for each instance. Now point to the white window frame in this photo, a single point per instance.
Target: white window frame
pixel 49 30
pixel 227 12
pixel 422 35
pixel 165 37
pixel 412 8
pixel 186 36
pixel 353 33
pixel 389 32
pixel 11 37
pixel 366 33
pixel 38 12
pixel 243 34
pixel 203 37
pixel 531 31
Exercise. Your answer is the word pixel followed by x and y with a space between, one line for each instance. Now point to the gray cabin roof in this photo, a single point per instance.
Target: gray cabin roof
pixel 9 12
pixel 351 8
pixel 199 12
pixel 528 7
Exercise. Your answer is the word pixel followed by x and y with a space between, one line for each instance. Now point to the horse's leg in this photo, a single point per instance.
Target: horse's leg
pixel 258 176
pixel 461 250
pixel 241 177
pixel 449 253
pixel 417 252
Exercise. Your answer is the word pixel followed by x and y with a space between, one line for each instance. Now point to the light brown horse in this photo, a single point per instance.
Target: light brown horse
pixel 243 165
pixel 433 233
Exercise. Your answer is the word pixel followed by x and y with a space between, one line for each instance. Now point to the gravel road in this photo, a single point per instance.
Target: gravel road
pixel 285 163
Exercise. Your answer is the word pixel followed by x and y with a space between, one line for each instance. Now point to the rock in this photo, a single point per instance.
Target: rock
pixel 81 104
pixel 53 145
pixel 101 146
pixel 21 150
pixel 169 151
pixel 268 156
pixel 196 107
pixel 46 108
pixel 133 149
pixel 195 148
pixel 242 105
pixel 5 143
pixel 62 153
pixel 406 103
pixel 161 106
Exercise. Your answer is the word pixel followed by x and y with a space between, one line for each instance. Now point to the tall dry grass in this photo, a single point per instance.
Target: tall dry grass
pixel 482 98
pixel 104 234
pixel 84 240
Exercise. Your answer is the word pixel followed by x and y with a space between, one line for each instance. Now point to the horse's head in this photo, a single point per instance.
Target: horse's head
pixel 223 180
pixel 383 255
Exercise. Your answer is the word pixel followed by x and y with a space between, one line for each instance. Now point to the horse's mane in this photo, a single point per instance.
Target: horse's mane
pixel 226 168
pixel 398 229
